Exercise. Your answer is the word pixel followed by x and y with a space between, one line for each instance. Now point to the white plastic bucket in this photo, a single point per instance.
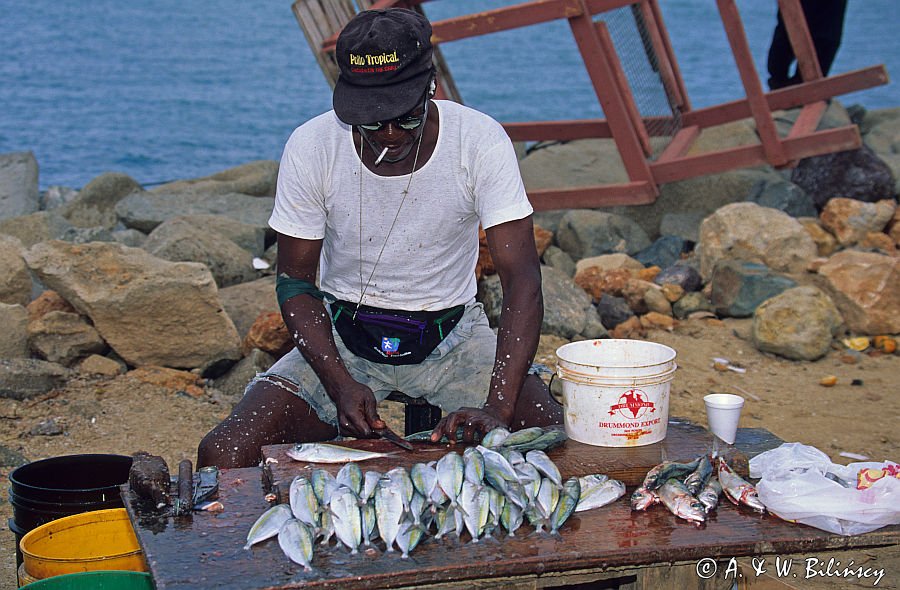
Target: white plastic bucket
pixel 616 392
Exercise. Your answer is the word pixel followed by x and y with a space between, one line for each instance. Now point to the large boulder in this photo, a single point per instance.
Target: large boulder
pixel 865 286
pixel 855 174
pixel 738 287
pixel 15 281
pixel 14 325
pixel 245 302
pixel 36 227
pixel 64 338
pixel 850 221
pixel 253 178
pixel 746 231
pixel 178 240
pixel 18 184
pixel 145 211
pixel 150 311
pixel 26 378
pixel 95 204
pixel 584 233
pixel 798 324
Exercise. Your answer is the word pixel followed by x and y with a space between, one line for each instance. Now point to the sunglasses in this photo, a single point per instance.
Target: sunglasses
pixel 405 122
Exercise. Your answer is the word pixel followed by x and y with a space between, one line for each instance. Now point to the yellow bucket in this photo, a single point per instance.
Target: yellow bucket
pixel 98 540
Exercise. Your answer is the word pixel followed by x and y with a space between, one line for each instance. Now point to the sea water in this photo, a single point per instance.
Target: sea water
pixel 166 89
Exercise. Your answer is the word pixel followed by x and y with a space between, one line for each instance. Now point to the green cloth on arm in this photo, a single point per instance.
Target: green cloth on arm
pixel 287 287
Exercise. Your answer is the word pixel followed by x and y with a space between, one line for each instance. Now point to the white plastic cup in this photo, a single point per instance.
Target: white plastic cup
pixel 723 412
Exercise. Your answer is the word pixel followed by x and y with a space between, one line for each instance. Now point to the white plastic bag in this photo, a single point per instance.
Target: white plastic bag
pixel 794 487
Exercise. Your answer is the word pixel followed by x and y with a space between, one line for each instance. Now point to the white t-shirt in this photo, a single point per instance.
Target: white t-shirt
pixel 429 257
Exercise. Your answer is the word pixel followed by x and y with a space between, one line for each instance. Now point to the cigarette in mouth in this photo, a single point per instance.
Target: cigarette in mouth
pixel 380 157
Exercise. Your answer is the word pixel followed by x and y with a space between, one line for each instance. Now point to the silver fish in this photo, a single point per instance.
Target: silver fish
pixel 697 478
pixel 326 531
pixel 595 495
pixel 388 511
pixel 408 537
pixel 709 495
pixel 523 436
pixel 474 466
pixel 642 498
pixel 367 519
pixel 350 476
pixel 530 478
pixel 451 473
pixel 515 493
pixel 544 465
pixel 566 504
pixel 328 453
pixel 303 502
pixel 497 469
pixel 511 518
pixel 547 497
pixel 417 507
pixel 737 489
pixel 324 485
pixel 476 505
pixel 445 520
pixel 268 524
pixel 544 442
pixel 370 480
pixel 495 437
pixel 676 497
pixel 661 473
pixel 347 519
pixel 496 502
pixel 424 478
pixel 296 540
pixel 403 483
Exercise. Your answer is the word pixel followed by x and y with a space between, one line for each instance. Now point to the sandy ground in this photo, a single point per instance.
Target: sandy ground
pixel 121 415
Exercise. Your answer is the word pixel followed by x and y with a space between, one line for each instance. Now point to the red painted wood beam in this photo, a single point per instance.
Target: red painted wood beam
pixel 503 19
pixel 589 197
pixel 680 144
pixel 801 40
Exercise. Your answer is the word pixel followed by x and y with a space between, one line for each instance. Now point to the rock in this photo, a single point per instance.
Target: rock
pixel 893 227
pixel 575 163
pixel 879 241
pixel 150 311
pixel 672 292
pixel 739 287
pixel 178 240
pixel 644 296
pixel 685 225
pixel 596 282
pixel 485 265
pixel 253 178
pixel 251 238
pixel 855 174
pixel 11 458
pixel 245 302
pixel 746 231
pixel 664 252
pixel 864 286
pixel 83 235
pixel 49 427
pixel 567 309
pixel 145 211
pixel 35 228
pixel 691 303
pixel 549 220
pixel 129 237
pixel 658 321
pixel 850 220
pixel 15 280
pixel 46 302
pixel 584 233
pixel 881 131
pixel 96 364
pixel 629 329
pixel 798 324
pixel 542 239
pixel 172 379
pixel 613 310
pixel 685 276
pixel 825 242
pixel 62 337
pixel 26 378
pixel 557 258
pixel 95 204
pixel 784 196
pixel 269 334
pixel 606 262
pixel 236 380
pixel 56 196
pixel 18 184
pixel 14 327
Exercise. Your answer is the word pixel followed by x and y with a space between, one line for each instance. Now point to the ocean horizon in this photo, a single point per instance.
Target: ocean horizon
pixel 165 90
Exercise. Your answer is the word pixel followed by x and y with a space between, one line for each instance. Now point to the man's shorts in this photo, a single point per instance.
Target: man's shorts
pixel 456 374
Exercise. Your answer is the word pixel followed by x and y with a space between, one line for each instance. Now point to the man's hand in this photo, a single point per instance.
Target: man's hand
pixel 473 421
pixel 357 413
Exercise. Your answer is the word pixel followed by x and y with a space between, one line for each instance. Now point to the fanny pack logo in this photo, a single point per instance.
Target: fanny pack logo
pixel 374 60
pixel 390 345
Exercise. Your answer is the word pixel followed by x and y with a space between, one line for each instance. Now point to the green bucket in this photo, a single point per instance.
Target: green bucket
pixel 97 580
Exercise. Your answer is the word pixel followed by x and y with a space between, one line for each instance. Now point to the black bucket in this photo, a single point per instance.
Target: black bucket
pixel 49 489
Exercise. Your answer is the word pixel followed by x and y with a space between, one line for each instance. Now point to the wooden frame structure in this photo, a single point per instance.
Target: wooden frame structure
pixel 322 20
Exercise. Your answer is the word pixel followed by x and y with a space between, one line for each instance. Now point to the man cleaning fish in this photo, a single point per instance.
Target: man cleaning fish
pixel 381 200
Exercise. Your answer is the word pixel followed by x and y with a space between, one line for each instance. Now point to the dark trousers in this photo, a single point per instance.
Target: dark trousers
pixel 825 19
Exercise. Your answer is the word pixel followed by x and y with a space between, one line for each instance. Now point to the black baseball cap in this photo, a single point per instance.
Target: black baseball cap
pixel 385 64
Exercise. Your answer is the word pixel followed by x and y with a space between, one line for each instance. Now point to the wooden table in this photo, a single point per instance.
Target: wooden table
pixel 625 548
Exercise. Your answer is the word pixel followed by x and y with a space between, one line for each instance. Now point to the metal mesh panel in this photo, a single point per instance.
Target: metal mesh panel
pixel 639 62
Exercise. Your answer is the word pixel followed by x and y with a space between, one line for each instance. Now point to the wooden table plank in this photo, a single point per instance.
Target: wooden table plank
pixel 205 550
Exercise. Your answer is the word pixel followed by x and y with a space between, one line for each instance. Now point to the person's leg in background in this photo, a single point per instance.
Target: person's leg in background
pixel 825 20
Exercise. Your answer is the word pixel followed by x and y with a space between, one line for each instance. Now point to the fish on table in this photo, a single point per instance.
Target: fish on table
pixel 330 453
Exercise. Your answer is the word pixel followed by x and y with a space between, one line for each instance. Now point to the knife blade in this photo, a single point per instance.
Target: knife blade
pixel 391 436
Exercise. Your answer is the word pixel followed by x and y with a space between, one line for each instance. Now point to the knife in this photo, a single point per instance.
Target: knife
pixel 389 435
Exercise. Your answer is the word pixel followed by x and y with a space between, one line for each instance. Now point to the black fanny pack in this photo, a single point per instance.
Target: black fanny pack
pixel 392 336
